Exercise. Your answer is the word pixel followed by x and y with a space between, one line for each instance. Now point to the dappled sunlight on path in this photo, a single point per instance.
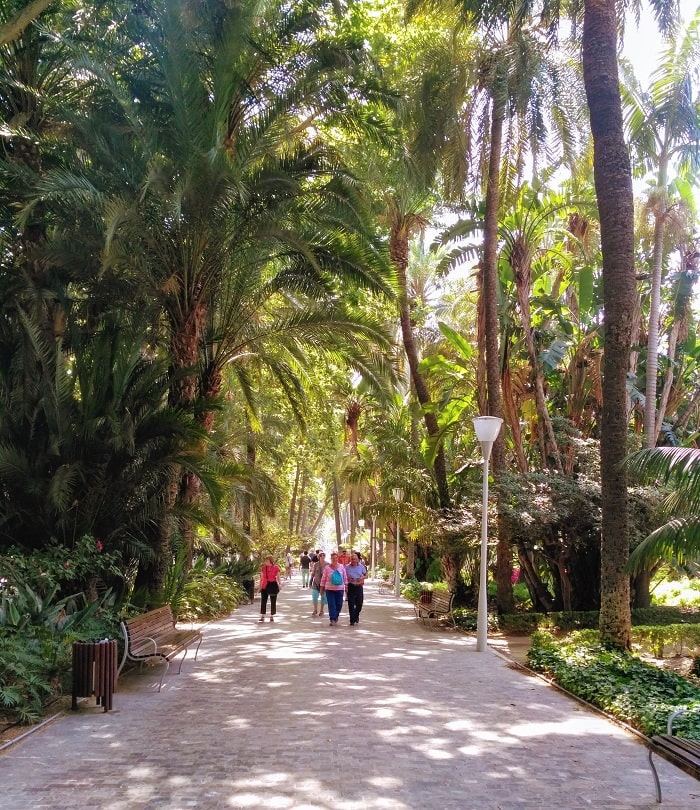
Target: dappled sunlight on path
pixel 298 714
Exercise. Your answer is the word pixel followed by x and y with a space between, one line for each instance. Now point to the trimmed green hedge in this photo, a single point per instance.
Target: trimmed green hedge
pixel 682 638
pixel 582 620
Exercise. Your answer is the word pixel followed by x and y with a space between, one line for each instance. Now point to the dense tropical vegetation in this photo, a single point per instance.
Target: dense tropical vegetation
pixel 260 264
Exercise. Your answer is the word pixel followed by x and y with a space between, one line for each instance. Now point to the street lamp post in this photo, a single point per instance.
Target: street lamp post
pixel 487 429
pixel 398 497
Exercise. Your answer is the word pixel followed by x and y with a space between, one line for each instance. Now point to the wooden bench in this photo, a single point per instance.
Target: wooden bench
pixel 439 607
pixel 153 636
pixel 387 586
pixel 681 752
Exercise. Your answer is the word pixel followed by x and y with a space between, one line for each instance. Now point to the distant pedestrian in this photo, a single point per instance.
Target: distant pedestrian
pixel 334 583
pixel 320 600
pixel 290 564
pixel 343 557
pixel 356 573
pixel 269 587
pixel 304 565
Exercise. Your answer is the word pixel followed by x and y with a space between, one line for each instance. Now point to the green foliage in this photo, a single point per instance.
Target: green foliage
pixel 63 570
pixel 588 619
pixel 662 614
pixel 176 578
pixel 25 679
pixel 201 593
pixel 411 588
pixel 684 592
pixel 679 538
pixel 238 570
pixel 38 625
pixel 208 595
pixel 683 638
pixel 617 682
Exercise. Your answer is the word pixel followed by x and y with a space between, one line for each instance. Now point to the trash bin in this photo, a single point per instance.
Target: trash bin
pixel 95 671
pixel 249 585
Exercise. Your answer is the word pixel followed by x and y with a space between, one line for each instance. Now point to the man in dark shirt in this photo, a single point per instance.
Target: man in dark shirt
pixel 305 564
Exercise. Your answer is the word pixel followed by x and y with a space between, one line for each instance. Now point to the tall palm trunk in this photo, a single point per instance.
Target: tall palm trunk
pixel 398 247
pixel 293 500
pixel 521 263
pixel 613 184
pixel 490 289
pixel 682 308
pixel 651 423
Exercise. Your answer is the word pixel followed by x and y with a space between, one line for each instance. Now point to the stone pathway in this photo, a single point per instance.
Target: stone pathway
pixel 385 715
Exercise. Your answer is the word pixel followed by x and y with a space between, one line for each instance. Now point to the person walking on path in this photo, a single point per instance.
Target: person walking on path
pixel 334 584
pixel 356 573
pixel 304 565
pixel 319 599
pixel 269 587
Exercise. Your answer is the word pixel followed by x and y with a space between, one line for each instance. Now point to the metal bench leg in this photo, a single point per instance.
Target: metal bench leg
pixel 656 777
pixel 167 667
pixel 179 669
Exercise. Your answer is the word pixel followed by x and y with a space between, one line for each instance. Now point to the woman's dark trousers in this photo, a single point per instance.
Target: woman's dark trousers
pixel 263 602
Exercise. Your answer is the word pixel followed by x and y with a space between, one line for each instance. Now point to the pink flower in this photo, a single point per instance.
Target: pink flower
pixel 66 564
pixel 99 545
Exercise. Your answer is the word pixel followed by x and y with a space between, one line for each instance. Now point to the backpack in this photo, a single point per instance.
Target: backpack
pixel 336 578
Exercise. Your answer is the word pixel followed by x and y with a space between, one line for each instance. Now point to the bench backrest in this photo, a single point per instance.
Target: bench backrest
pixel 150 625
pixel 442 601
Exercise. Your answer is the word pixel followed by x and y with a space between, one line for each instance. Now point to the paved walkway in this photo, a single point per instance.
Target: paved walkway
pixel 385 715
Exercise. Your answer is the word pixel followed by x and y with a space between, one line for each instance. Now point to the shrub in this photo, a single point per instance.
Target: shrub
pixel 588 619
pixel 617 682
pixel 655 639
pixel 412 588
pixel 25 680
pixel 207 595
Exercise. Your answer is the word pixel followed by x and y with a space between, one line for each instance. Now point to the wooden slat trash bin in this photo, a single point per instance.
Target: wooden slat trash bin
pixel 95 671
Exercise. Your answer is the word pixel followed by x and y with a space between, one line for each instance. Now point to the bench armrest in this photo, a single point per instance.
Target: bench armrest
pixel 672 717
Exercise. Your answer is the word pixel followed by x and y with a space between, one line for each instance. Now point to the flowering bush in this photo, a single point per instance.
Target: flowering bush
pixel 73 570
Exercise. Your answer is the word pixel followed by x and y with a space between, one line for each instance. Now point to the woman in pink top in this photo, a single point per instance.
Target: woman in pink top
pixel 269 586
pixel 334 583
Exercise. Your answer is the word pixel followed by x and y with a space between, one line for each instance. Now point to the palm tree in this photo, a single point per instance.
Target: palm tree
pixel 236 196
pixel 516 80
pixel 613 183
pixel 679 539
pixel 664 129
pixel 527 233
pixel 89 441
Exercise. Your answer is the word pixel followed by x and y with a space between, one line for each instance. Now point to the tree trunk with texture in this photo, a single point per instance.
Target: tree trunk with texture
pixel 504 586
pixel 613 184
pixel 398 249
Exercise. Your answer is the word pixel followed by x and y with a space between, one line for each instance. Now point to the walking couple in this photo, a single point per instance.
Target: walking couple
pixel 333 581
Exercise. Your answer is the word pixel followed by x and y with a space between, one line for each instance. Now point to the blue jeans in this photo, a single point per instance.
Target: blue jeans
pixel 335 604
